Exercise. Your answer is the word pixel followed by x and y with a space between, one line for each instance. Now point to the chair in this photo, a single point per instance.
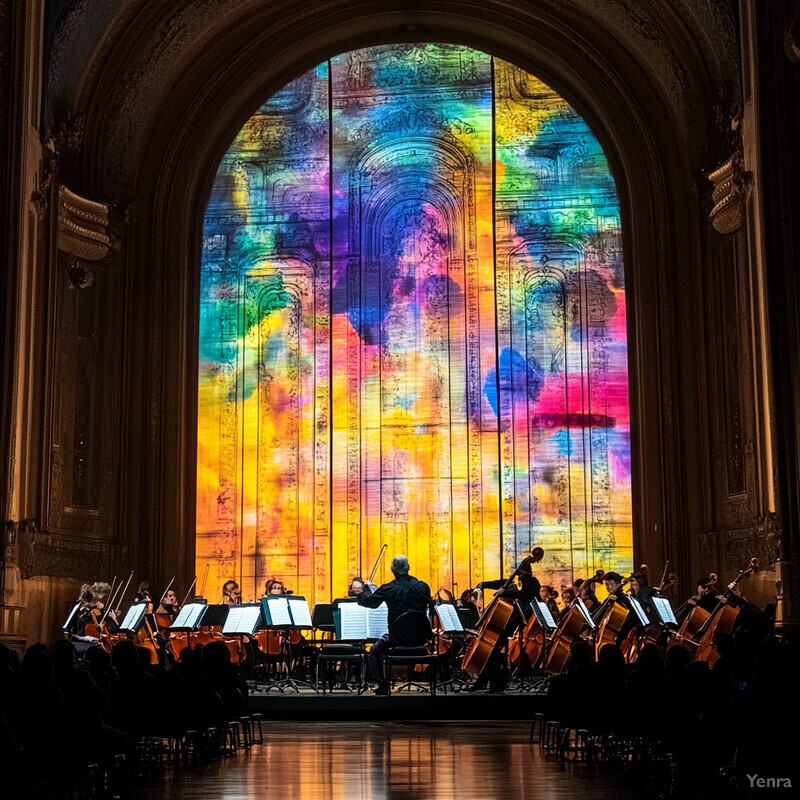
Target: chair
pixel 333 654
pixel 409 634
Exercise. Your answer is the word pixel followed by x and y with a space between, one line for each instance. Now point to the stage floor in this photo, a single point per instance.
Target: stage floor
pixel 476 759
pixel 306 704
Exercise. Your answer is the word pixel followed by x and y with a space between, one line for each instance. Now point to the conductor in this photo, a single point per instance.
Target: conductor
pixel 404 593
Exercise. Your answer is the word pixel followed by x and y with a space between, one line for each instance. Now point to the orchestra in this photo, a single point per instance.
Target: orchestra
pixel 509 644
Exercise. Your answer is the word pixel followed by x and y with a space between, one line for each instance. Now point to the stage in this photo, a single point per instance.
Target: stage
pixel 307 704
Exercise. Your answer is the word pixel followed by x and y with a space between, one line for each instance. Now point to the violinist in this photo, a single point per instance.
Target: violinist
pixel 169 605
pixel 143 596
pixel 92 600
pixel 529 589
pixel 404 593
pixel 274 586
pixel 231 593
pixel 356 587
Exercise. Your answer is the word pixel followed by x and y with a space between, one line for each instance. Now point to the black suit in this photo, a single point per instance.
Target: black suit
pixel 404 593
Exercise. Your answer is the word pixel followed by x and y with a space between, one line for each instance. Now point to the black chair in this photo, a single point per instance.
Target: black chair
pixel 329 656
pixel 410 633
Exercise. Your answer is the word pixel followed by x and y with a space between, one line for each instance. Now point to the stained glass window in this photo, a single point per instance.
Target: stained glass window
pixel 412 332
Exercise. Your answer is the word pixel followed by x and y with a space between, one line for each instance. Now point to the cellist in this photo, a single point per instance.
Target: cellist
pixel 494 674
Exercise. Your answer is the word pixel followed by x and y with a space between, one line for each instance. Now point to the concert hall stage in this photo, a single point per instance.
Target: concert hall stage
pixel 340 705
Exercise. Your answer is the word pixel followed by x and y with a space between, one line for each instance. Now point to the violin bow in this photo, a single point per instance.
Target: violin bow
pixel 194 582
pixel 169 586
pixel 205 578
pixel 377 561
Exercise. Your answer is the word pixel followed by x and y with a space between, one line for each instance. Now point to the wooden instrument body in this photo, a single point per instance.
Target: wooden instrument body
pixel 532 645
pixel 638 637
pixel 689 629
pixel 721 622
pixel 490 631
pixel 609 626
pixel 569 628
pixel 178 640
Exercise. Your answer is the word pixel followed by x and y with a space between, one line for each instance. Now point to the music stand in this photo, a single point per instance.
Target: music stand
pixel 287 614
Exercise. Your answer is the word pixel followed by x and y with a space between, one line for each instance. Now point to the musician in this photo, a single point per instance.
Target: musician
pixel 92 600
pixel 231 593
pixel 274 586
pixel 613 584
pixel 705 596
pixel 549 595
pixel 404 593
pixel 469 600
pixel 567 597
pixel 356 587
pixel 169 604
pixel 143 596
pixel 529 589
pixel 585 590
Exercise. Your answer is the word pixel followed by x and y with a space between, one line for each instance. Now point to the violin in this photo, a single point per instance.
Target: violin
pixel 492 624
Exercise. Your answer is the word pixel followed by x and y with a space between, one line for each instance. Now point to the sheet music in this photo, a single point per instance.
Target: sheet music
pixel 663 609
pixel 71 616
pixel 189 616
pixel 638 609
pixel 301 615
pixel 585 611
pixel 377 621
pixel 353 621
pixel 242 619
pixel 134 617
pixel 544 613
pixel 279 611
pixel 449 617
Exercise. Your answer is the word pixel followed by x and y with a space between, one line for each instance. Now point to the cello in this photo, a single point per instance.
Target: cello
pixel 492 624
pixel 721 619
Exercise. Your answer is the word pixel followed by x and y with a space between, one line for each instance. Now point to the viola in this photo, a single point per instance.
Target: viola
pixel 98 628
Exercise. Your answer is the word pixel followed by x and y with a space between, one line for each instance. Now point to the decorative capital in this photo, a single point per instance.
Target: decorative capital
pixel 728 196
pixel 82 234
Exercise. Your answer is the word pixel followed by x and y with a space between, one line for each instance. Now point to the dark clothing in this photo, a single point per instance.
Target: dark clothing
pixel 404 593
pixel 494 673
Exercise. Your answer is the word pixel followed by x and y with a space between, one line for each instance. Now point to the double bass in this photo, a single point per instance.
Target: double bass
pixel 491 626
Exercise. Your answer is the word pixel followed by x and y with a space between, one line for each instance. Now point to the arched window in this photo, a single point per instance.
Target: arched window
pixel 412 331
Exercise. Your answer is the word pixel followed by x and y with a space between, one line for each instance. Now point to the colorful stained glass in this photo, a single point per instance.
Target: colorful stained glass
pixel 412 332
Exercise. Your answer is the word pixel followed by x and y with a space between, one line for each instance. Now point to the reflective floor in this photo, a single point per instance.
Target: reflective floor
pixel 390 761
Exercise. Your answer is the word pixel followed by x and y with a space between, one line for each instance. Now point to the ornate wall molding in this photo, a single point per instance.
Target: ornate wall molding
pixel 82 234
pixel 729 550
pixel 609 56
pixel 729 194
